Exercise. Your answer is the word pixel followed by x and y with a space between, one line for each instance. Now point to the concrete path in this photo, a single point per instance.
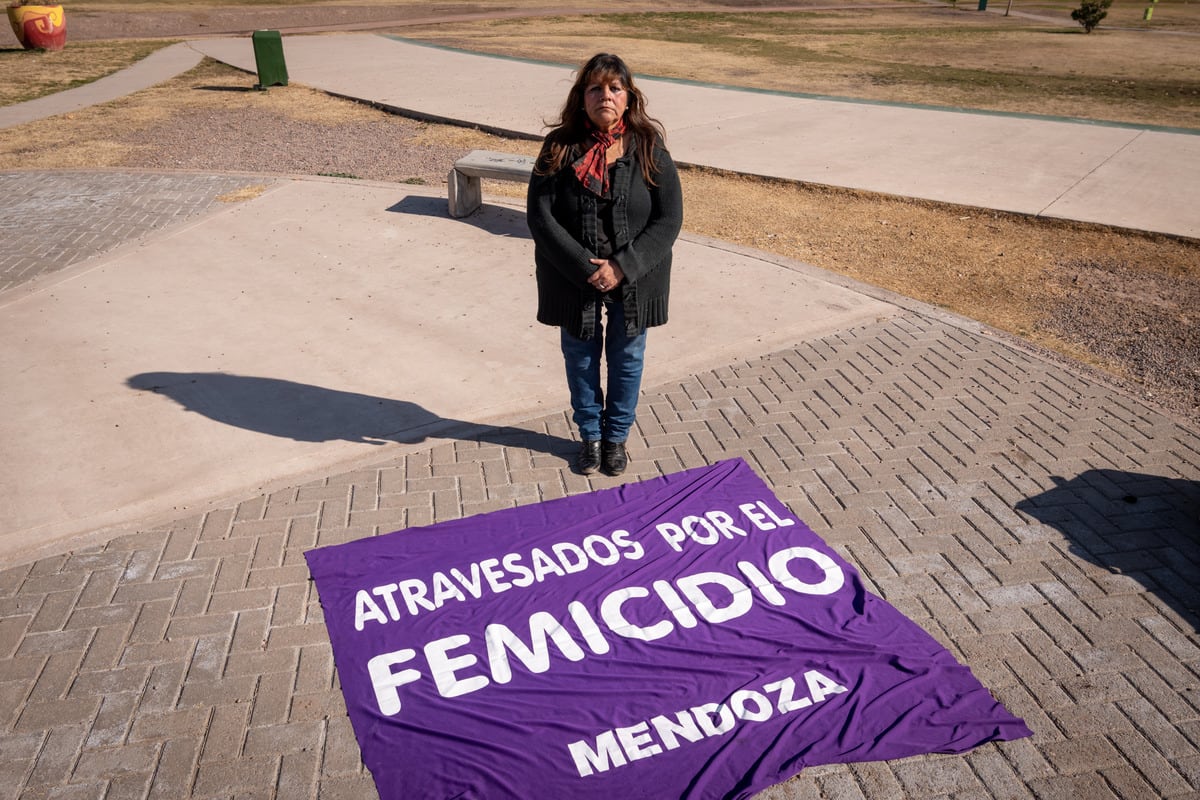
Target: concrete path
pixel 1114 175
pixel 195 391
pixel 153 69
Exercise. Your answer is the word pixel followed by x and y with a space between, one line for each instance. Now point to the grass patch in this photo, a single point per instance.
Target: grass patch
pixel 243 194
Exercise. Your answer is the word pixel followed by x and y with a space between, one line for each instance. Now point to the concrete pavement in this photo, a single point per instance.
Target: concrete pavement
pixel 192 403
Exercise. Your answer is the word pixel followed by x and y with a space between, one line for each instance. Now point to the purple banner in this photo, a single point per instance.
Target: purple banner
pixel 685 636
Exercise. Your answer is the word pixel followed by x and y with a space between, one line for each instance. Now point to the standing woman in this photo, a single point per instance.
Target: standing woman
pixel 604 208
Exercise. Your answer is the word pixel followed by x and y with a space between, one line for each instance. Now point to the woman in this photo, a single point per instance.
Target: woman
pixel 604 208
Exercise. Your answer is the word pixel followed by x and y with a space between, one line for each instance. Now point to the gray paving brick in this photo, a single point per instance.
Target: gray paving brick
pixel 220 548
pixel 230 689
pixel 157 652
pixel 277 576
pixel 56 676
pixel 840 785
pixel 997 775
pixel 108 762
pixel 1145 764
pixel 302 534
pixel 208 658
pixel 238 776
pixel 877 779
pixel 141 592
pixel 105 210
pixel 284 738
pixel 176 768
pixel 233 573
pixel 59 753
pixel 933 775
pixel 100 586
pixel 353 787
pixel 1189 767
pixel 153 619
pixel 298 774
pixel 1167 739
pixel 165 726
pixel 103 682
pixel 315 672
pixel 326 705
pixel 95 790
pixel 45 643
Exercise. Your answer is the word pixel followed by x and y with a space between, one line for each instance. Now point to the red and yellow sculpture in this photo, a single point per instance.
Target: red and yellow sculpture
pixel 39 27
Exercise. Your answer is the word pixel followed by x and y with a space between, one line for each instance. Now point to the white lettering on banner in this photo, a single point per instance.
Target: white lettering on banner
pixel 523 570
pixel 413 592
pixel 714 597
pixel 536 657
pixel 619 746
pixel 713 526
pixel 742 598
pixel 444 668
pixel 387 682
pixel 494 574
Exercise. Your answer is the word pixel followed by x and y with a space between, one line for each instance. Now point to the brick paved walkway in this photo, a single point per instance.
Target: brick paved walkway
pixel 1040 525
pixel 54 219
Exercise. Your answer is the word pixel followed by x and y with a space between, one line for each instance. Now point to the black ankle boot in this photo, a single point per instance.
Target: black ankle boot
pixel 589 457
pixel 613 457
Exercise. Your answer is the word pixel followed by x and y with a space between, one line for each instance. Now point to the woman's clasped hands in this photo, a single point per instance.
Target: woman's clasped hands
pixel 607 276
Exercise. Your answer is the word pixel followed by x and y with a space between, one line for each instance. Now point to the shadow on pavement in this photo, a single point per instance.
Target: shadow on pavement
pixel 496 220
pixel 307 413
pixel 1146 527
pixel 223 88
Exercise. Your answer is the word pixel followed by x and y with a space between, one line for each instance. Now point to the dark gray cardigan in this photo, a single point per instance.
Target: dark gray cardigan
pixel 646 220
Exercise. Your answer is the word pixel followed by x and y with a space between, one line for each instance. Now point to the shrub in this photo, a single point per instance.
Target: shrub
pixel 1090 12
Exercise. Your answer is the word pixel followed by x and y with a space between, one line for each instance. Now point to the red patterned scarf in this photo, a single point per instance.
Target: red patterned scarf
pixel 592 167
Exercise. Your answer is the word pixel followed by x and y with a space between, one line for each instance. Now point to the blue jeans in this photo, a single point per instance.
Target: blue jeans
pixel 596 417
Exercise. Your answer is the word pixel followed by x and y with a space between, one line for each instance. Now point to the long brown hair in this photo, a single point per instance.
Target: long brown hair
pixel 566 139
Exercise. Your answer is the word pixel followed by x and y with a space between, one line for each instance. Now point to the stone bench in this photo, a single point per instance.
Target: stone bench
pixel 463 185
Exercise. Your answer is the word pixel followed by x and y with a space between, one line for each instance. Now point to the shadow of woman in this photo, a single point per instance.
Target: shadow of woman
pixel 1146 527
pixel 306 413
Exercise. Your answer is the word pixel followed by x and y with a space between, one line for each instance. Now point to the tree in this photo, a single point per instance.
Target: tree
pixel 1090 12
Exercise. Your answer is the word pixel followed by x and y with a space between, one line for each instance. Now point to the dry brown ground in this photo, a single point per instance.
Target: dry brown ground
pixel 1122 301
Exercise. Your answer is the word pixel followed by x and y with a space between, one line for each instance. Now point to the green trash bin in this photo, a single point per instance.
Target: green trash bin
pixel 268 58
pixel 983 5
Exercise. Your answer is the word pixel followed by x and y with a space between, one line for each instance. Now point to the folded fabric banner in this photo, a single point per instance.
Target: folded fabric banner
pixel 685 636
